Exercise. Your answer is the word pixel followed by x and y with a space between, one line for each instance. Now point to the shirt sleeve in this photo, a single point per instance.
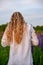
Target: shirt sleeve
pixel 4 41
pixel 34 38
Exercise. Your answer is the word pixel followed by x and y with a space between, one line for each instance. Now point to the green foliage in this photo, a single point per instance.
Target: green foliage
pixel 4 54
pixel 2 27
pixel 39 29
pixel 37 56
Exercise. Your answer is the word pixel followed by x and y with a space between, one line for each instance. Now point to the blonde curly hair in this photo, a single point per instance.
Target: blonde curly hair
pixel 17 24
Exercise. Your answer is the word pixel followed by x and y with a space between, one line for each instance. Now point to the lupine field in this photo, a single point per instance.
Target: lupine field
pixel 37 51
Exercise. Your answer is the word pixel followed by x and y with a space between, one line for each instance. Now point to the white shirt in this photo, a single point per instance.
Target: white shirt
pixel 21 54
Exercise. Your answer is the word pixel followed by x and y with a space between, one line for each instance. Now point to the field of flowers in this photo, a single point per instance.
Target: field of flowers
pixel 37 51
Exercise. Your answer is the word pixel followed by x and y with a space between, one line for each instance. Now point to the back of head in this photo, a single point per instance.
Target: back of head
pixel 17 25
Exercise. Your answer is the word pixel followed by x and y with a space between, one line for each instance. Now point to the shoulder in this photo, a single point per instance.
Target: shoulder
pixel 29 26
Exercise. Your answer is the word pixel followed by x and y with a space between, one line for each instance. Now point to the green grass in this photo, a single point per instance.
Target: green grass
pixel 4 54
pixel 37 56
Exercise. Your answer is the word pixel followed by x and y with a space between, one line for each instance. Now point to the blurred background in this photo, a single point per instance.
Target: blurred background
pixel 32 11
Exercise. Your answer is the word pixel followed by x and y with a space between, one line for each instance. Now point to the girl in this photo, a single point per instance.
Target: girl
pixel 18 35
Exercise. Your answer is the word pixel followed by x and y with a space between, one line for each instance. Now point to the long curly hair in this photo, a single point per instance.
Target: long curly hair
pixel 16 25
